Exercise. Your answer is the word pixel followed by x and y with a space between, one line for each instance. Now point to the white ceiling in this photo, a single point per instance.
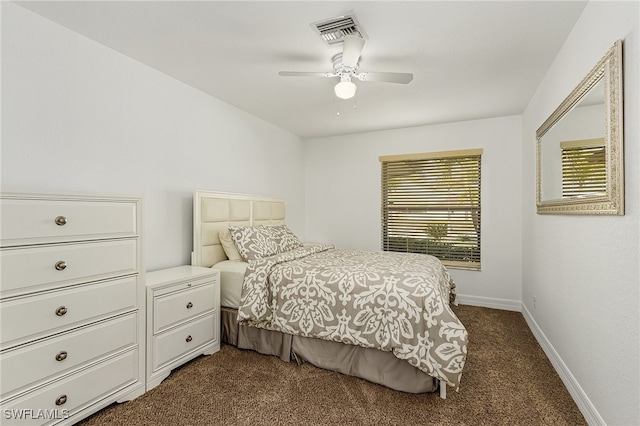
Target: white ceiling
pixel 470 59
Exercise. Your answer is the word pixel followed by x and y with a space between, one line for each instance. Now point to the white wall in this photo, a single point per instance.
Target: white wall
pixel 343 196
pixel 80 117
pixel 585 270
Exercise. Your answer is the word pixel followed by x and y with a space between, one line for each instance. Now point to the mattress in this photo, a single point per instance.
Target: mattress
pixel 231 278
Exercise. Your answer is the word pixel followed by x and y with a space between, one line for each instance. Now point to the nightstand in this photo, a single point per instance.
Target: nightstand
pixel 183 318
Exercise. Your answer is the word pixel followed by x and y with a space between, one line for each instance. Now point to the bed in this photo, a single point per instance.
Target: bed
pixel 409 340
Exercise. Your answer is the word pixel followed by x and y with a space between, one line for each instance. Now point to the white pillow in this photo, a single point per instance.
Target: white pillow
pixel 228 245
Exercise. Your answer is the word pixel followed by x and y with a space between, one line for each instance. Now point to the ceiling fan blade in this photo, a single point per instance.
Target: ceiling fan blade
pixel 351 49
pixel 389 77
pixel 306 74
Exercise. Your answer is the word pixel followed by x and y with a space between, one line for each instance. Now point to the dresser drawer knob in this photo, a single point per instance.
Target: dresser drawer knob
pixel 189 305
pixel 61 265
pixel 61 311
pixel 61 400
pixel 61 220
pixel 189 338
pixel 61 356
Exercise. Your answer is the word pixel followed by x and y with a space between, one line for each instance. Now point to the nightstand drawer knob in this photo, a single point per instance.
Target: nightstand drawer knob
pixel 61 356
pixel 189 305
pixel 189 338
pixel 61 311
pixel 61 265
pixel 61 220
pixel 61 400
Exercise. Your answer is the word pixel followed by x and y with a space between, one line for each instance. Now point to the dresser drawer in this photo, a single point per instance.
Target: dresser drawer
pixel 182 305
pixel 36 221
pixel 39 362
pixel 74 393
pixel 35 268
pixel 172 344
pixel 28 318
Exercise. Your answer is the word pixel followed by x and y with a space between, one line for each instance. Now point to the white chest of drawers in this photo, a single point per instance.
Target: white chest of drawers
pixel 183 318
pixel 71 306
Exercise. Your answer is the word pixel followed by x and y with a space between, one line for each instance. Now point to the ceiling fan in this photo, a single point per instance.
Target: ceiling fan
pixel 345 66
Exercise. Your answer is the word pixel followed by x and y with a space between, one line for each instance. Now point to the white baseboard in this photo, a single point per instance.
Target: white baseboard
pixel 585 406
pixel 489 302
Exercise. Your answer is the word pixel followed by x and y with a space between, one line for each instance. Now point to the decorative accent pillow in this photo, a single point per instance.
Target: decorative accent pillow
pixel 288 240
pixel 228 245
pixel 256 242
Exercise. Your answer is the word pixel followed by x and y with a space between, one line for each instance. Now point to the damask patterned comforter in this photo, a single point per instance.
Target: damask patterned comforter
pixel 396 302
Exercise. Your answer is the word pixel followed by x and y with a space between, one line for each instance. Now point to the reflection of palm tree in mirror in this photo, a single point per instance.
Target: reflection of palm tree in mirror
pixel 584 168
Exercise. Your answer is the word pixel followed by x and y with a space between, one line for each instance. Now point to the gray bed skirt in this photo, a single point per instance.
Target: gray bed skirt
pixel 369 364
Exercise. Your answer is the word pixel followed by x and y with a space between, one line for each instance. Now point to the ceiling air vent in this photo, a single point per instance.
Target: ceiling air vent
pixel 333 30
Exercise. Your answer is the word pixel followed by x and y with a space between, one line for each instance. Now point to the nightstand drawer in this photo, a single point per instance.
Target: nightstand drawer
pixel 33 317
pixel 180 306
pixel 68 396
pixel 36 268
pixel 38 221
pixel 174 343
pixel 40 362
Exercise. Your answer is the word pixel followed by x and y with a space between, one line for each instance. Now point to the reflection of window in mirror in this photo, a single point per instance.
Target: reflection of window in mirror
pixel 584 168
pixel 584 121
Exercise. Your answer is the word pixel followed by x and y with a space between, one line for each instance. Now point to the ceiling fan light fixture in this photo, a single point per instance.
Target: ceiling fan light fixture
pixel 345 89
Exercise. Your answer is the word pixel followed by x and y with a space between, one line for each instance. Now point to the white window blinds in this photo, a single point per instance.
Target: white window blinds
pixel 431 204
pixel 584 168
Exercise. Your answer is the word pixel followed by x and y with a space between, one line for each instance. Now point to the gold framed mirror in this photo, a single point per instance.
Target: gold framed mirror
pixel 579 156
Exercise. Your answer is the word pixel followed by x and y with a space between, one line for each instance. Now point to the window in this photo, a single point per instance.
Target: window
pixel 431 204
pixel 584 168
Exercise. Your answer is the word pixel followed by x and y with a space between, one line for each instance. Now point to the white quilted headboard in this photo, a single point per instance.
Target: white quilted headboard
pixel 214 211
